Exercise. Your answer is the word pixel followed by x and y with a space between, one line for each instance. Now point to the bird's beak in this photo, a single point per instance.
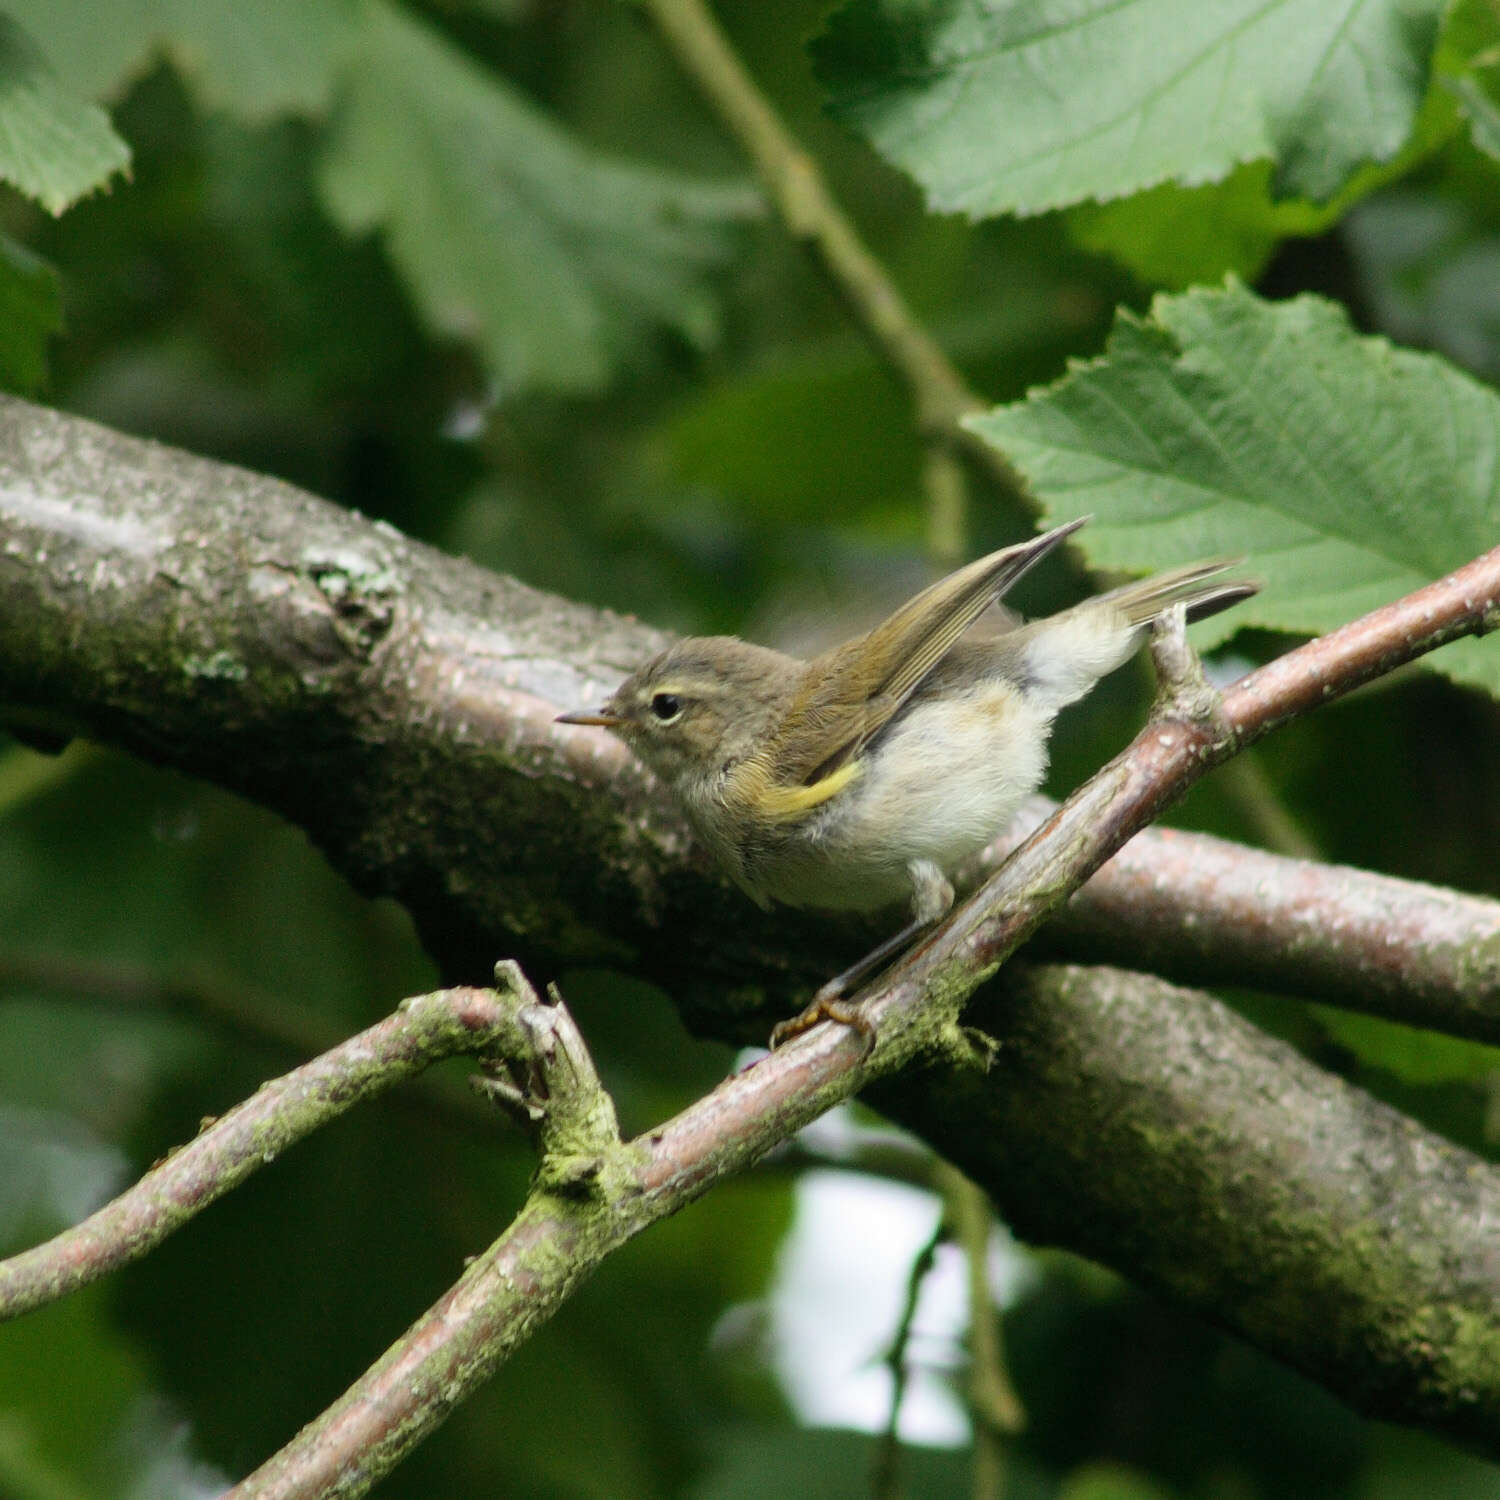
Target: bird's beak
pixel 599 716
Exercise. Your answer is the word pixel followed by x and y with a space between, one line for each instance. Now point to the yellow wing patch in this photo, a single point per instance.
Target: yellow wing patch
pixel 783 804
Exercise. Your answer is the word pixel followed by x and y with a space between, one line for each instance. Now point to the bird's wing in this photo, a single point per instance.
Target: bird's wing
pixel 848 695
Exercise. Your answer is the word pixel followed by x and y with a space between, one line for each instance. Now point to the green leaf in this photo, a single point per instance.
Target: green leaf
pixel 30 311
pixel 1034 105
pixel 54 147
pixel 1173 236
pixel 1470 68
pixel 1349 471
pixel 257 61
pixel 553 259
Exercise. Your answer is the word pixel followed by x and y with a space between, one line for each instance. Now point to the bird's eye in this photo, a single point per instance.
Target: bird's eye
pixel 666 706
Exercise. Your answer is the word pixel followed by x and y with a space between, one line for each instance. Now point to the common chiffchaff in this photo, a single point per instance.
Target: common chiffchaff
pixel 864 776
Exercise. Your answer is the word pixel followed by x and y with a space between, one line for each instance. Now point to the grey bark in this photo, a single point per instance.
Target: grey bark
pixel 398 704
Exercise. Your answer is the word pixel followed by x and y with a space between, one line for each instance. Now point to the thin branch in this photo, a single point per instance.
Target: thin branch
pixel 995 1409
pixel 249 1137
pixel 1379 1277
pixel 239 1011
pixel 575 1219
pixel 885 1479
pixel 813 216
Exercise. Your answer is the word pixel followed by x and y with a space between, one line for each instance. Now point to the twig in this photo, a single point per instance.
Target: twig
pixel 250 1136
pixel 994 1407
pixel 549 1080
pixel 1166 759
pixel 287 1032
pixel 885 1482
pixel 812 215
pixel 1183 690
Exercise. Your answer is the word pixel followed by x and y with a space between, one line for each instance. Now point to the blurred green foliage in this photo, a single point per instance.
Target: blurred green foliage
pixel 492 271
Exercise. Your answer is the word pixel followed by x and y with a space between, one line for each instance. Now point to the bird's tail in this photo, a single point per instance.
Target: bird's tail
pixel 1058 659
pixel 1200 586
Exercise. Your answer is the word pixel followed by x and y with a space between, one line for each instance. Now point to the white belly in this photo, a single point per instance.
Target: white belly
pixel 938 786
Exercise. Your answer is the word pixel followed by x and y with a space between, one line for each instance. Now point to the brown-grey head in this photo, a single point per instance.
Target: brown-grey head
pixel 699 707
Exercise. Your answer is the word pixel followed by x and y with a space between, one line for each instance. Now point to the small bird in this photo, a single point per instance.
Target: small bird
pixel 865 776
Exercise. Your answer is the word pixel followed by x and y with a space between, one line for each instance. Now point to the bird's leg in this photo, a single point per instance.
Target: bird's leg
pixel 932 896
pixel 829 1005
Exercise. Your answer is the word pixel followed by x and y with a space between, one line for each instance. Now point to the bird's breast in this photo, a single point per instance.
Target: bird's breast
pixel 937 785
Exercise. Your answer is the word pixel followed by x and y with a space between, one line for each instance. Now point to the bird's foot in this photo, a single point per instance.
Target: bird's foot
pixel 827 1005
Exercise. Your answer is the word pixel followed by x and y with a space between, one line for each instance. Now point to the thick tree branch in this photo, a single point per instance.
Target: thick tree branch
pixel 1346 1239
pixel 399 705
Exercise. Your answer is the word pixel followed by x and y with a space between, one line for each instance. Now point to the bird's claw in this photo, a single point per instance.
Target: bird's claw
pixel 827 1005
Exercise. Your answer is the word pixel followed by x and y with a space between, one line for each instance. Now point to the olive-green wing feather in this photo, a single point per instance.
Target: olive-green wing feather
pixel 850 693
